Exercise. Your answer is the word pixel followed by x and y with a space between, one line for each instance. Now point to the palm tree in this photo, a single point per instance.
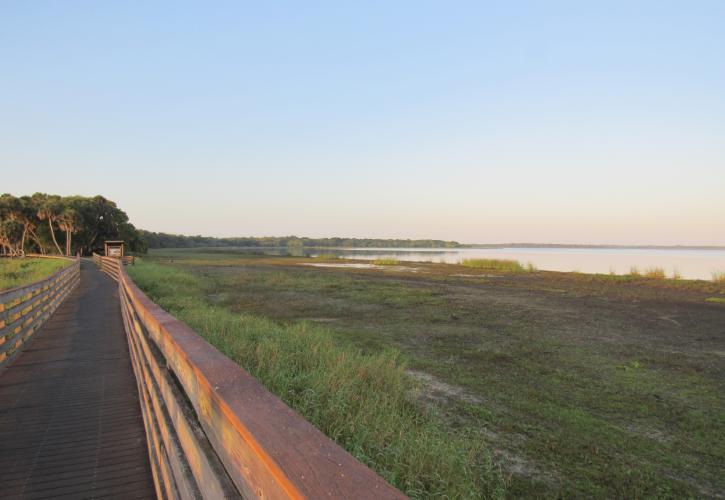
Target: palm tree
pixel 68 221
pixel 10 239
pixel 48 208
pixel 26 215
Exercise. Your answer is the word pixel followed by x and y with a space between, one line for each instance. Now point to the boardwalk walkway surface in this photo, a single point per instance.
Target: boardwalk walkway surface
pixel 70 421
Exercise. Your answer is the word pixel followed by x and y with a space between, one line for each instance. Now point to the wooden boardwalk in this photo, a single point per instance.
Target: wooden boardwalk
pixel 70 421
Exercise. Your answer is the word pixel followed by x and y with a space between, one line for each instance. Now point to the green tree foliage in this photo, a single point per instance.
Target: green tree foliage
pixel 164 240
pixel 44 223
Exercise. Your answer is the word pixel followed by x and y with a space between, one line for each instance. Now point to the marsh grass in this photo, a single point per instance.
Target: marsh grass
pixel 365 402
pixel 386 262
pixel 634 271
pixel 23 271
pixel 655 273
pixel 718 276
pixel 506 265
pixel 579 419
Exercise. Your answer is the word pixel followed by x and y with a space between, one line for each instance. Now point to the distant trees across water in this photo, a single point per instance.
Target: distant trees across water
pixel 64 225
pixel 165 240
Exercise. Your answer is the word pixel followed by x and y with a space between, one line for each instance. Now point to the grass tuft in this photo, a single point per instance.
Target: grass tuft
pixel 655 272
pixel 634 271
pixel 718 276
pixel 513 266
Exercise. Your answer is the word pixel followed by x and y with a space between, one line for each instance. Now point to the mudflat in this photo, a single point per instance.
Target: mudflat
pixel 579 384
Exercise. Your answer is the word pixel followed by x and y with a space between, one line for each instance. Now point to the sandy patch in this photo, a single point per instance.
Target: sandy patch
pixel 436 389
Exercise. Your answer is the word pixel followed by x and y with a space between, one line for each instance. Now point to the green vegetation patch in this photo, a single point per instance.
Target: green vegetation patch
pixel 365 402
pixel 716 299
pixel 350 288
pixel 506 265
pixel 23 271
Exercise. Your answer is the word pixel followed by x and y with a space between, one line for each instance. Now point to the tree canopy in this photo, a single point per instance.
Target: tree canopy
pixel 51 224
pixel 164 240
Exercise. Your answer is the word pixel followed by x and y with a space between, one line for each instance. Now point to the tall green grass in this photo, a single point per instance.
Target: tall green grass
pixel 513 266
pixel 23 271
pixel 366 403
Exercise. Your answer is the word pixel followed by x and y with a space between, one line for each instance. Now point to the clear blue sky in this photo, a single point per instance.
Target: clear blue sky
pixel 600 122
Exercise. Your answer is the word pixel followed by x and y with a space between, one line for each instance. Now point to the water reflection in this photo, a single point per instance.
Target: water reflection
pixel 691 264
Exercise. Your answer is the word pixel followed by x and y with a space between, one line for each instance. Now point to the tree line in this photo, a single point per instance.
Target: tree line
pixel 165 240
pixel 64 225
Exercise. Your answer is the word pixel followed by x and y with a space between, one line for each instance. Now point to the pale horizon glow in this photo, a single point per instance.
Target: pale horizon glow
pixel 548 122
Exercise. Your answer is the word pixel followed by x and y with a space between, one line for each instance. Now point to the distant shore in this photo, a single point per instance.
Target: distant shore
pixel 569 245
pixel 167 240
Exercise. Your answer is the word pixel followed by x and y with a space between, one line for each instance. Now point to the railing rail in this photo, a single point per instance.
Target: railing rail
pixel 24 309
pixel 111 265
pixel 214 431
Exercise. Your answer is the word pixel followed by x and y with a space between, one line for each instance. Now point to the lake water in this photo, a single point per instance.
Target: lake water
pixel 692 264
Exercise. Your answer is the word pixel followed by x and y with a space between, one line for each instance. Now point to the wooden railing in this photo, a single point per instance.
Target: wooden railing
pixel 213 431
pixel 111 265
pixel 24 309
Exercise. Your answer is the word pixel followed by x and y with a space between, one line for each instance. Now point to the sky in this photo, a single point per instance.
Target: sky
pixel 485 122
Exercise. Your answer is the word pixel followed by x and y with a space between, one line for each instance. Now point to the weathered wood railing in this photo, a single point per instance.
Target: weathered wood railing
pixel 24 309
pixel 213 431
pixel 111 265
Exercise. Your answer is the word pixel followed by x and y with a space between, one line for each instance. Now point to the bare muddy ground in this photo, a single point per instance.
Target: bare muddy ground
pixel 581 385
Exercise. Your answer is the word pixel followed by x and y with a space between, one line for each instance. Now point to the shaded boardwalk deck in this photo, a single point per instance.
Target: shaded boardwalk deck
pixel 70 421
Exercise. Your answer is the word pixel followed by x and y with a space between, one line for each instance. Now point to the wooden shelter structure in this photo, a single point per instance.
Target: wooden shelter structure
pixel 113 248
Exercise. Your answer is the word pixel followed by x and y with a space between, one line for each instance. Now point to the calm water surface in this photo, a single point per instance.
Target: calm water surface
pixel 692 264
